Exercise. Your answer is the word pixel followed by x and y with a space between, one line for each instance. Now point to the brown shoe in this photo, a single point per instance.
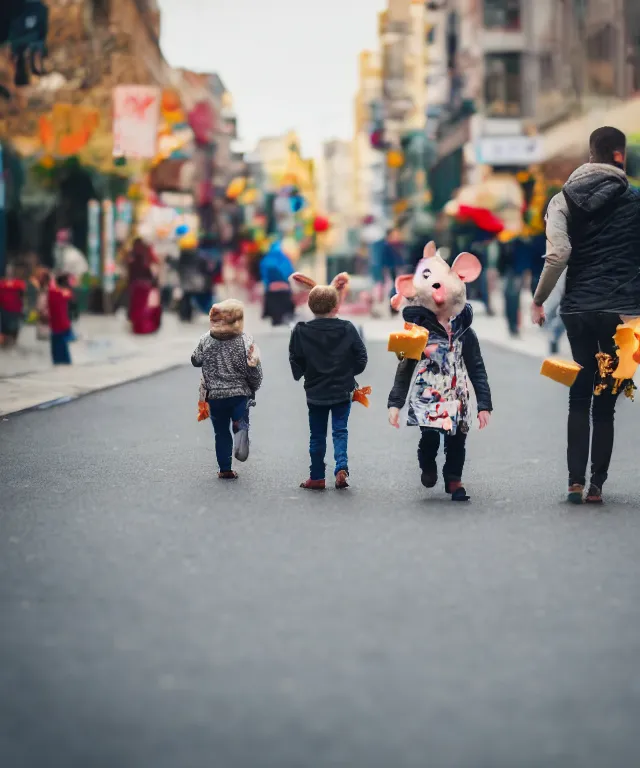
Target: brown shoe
pixel 576 494
pixel 341 480
pixel 313 485
pixel 227 475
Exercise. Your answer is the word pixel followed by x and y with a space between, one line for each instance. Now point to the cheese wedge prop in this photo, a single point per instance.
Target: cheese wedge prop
pixel 627 341
pixel 410 342
pixel 562 371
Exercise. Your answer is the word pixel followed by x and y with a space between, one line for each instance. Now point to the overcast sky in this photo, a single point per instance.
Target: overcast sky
pixel 288 64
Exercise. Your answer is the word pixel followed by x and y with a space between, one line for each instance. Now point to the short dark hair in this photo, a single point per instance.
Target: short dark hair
pixel 603 142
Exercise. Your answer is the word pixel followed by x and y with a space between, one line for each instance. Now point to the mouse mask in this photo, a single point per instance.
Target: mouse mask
pixel 437 286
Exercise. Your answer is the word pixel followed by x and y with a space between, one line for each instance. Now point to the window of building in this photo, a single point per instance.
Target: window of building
pixel 502 14
pixel 503 85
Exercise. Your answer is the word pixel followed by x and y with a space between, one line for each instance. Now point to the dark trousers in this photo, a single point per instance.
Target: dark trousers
pixel 318 423
pixel 224 414
pixel 588 334
pixel 454 451
pixel 60 354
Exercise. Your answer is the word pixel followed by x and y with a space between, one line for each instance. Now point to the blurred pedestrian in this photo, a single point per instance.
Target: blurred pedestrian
pixel 231 375
pixel 195 283
pixel 12 295
pixel 275 270
pixel 145 307
pixel 58 299
pixel 42 280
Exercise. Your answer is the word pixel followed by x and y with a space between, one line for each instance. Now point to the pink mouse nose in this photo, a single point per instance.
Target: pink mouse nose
pixel 439 294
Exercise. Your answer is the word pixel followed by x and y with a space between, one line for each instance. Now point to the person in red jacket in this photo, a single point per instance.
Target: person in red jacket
pixel 12 294
pixel 59 323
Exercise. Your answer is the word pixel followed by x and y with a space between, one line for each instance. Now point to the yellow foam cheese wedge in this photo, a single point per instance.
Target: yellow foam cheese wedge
pixel 410 342
pixel 628 344
pixel 562 371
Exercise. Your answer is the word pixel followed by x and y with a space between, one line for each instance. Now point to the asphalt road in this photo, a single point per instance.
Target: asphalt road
pixel 154 617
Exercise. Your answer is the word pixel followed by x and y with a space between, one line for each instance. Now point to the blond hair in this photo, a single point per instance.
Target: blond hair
pixel 323 299
pixel 227 318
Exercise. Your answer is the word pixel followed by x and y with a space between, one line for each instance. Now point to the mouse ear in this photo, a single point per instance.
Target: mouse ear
pixel 302 281
pixel 467 267
pixel 341 283
pixel 405 286
pixel 430 250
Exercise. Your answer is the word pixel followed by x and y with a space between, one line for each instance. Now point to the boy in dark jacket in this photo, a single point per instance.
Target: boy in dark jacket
pixel 328 353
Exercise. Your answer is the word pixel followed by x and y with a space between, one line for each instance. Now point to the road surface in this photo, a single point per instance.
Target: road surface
pixel 154 617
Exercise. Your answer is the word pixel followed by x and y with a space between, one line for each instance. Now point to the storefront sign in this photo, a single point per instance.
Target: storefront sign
pixel 108 248
pixel 94 238
pixel 136 112
pixel 510 150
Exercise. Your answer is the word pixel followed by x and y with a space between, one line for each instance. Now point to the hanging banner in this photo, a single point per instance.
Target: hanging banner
pixel 136 116
pixel 108 248
pixel 94 238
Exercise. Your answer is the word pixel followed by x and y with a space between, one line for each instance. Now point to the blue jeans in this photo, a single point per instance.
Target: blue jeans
pixel 60 354
pixel 224 413
pixel 318 422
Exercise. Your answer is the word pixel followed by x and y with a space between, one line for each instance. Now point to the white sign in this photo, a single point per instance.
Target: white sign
pixel 136 113
pixel 514 150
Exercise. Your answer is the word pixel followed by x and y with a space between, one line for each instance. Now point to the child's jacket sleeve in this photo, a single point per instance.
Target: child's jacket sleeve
pixel 254 376
pixel 296 356
pixel 197 356
pixel 360 357
pixel 401 384
pixel 474 363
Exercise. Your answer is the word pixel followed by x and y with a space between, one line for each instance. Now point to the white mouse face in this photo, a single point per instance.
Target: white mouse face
pixel 437 286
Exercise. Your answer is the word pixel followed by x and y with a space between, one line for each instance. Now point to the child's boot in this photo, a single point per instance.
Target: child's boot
pixel 575 494
pixel 456 490
pixel 241 439
pixel 341 479
pixel 313 485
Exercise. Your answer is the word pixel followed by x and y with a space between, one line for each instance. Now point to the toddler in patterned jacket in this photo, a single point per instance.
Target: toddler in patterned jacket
pixel 231 375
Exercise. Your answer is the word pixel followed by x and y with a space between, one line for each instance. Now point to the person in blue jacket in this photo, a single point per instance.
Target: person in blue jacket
pixel 275 270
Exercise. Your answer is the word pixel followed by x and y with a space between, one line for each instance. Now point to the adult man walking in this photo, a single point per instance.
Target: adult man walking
pixel 593 231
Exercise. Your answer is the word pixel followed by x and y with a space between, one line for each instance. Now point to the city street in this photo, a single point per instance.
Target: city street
pixel 154 617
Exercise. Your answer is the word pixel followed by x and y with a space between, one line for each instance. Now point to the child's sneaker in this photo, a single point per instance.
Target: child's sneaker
pixel 594 495
pixel 575 494
pixel 313 485
pixel 341 479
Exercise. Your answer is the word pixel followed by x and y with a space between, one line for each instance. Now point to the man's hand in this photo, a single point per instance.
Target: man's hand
pixel 484 417
pixel 394 417
pixel 538 315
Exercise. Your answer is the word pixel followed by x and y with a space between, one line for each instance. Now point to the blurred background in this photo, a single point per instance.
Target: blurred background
pixel 459 120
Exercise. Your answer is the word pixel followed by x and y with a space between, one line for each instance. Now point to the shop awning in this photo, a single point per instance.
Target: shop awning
pixel 569 141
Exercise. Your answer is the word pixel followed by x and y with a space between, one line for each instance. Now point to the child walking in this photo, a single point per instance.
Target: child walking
pixel 58 299
pixel 328 353
pixel 231 375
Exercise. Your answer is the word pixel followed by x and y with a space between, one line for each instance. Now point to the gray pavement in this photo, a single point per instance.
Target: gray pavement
pixel 154 617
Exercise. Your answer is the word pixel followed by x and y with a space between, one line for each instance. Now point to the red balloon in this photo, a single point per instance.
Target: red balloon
pixel 320 224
